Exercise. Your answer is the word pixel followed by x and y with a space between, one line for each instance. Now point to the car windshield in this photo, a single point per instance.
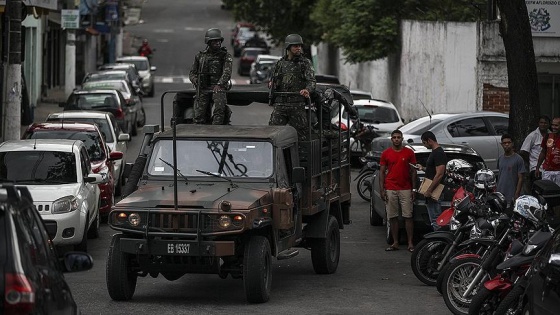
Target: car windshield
pixel 141 65
pixel 375 114
pixel 106 85
pixel 419 126
pixel 38 167
pixel 266 65
pixel 102 124
pixel 97 101
pixel 105 76
pixel 90 139
pixel 225 158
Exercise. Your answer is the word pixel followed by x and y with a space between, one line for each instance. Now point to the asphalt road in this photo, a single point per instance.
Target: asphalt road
pixel 368 280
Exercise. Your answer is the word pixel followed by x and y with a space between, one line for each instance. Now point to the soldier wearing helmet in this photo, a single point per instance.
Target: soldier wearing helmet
pixel 293 73
pixel 211 74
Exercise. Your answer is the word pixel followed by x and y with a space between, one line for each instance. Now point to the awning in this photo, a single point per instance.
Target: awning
pixel 45 4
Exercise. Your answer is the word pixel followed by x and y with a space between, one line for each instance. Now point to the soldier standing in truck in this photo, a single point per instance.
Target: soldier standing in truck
pixel 293 73
pixel 211 74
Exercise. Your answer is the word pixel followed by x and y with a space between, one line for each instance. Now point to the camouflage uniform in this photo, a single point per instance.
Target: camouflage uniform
pixel 215 69
pixel 292 76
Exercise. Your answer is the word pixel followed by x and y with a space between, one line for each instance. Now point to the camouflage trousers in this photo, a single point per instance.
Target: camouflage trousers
pixel 203 109
pixel 293 114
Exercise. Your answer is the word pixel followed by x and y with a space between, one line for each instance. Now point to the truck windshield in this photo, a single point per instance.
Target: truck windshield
pixel 223 158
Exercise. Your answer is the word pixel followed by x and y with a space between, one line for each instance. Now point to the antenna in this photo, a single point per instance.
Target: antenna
pixel 427 111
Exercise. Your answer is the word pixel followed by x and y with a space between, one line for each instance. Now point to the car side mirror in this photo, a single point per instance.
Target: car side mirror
pixel 77 261
pixel 115 155
pixel 153 68
pixel 298 175
pixel 124 137
pixel 94 179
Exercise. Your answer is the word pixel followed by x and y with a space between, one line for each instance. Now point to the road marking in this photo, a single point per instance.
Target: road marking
pixel 163 30
pixel 197 29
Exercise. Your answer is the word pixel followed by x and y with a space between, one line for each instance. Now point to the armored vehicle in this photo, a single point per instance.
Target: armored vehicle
pixel 225 200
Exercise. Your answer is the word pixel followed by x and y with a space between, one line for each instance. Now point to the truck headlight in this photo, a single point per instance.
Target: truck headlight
pixel 224 221
pixel 65 204
pixel 134 219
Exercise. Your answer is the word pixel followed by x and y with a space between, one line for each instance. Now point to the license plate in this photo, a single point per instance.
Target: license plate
pixel 178 248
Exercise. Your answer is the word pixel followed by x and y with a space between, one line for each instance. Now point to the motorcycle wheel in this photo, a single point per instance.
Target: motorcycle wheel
pixel 457 278
pixel 425 259
pixel 484 302
pixel 513 302
pixel 364 186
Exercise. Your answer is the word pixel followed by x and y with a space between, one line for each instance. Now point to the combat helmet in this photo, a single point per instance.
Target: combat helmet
pixel 292 39
pixel 212 34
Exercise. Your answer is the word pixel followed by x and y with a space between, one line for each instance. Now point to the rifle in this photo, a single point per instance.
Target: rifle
pixel 198 77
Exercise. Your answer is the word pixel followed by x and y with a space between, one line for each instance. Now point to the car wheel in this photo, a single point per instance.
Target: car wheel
pixel 82 246
pixel 134 123
pixel 152 91
pixel 121 280
pixel 257 269
pixel 325 252
pixel 119 183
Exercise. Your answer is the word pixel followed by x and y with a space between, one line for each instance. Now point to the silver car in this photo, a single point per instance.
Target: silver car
pixel 115 138
pixel 145 70
pixel 479 130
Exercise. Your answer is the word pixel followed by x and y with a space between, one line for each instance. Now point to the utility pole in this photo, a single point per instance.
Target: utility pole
pixel 11 117
pixel 70 64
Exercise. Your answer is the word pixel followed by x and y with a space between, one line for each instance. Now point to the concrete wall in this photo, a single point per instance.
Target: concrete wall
pixel 32 65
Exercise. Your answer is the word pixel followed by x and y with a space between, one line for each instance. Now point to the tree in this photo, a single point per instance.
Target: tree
pixel 524 104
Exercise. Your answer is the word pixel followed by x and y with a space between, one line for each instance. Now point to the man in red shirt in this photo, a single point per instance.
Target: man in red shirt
pixel 397 178
pixel 550 154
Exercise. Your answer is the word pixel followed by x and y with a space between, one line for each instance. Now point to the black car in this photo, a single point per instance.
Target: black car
pixel 542 295
pixel 420 212
pixel 111 101
pixel 31 274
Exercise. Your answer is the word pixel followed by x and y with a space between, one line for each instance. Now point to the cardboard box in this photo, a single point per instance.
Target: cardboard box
pixel 426 182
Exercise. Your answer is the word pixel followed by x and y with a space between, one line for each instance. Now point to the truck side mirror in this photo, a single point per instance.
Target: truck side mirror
pixel 298 175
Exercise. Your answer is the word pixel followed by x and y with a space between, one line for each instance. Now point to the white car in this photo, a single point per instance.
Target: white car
pixel 116 139
pixel 145 70
pixel 64 189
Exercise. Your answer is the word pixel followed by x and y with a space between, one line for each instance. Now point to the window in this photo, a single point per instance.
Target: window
pixel 90 139
pixel 470 127
pixel 500 124
pixel 38 167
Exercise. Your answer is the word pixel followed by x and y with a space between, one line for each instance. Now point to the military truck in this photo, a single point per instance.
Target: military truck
pixel 225 200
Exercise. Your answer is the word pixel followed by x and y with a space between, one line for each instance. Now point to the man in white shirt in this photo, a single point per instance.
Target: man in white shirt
pixel 530 150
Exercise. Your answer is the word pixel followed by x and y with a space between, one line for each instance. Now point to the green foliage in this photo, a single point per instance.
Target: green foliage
pixel 365 29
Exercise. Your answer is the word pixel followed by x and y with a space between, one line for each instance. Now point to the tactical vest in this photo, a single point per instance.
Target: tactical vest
pixel 290 75
pixel 212 67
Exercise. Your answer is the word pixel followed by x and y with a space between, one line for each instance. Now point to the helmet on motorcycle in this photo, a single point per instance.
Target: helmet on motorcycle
pixel 212 34
pixel 485 179
pixel 292 39
pixel 529 208
pixel 497 202
pixel 458 169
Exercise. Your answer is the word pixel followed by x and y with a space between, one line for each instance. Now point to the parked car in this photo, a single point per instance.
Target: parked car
pixel 241 27
pixel 243 37
pixel 128 67
pixel 478 130
pixel 100 157
pixel 382 115
pixel 62 184
pixel 31 273
pixel 111 75
pixel 420 212
pixel 248 56
pixel 115 138
pixel 261 68
pixel 111 101
pixel 360 95
pixel 542 295
pixel 133 99
pixel 145 70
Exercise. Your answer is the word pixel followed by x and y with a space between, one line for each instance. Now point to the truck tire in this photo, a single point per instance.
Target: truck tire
pixel 121 283
pixel 257 270
pixel 325 252
pixel 134 177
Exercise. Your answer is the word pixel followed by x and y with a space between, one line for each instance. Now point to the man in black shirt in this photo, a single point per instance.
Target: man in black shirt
pixel 434 170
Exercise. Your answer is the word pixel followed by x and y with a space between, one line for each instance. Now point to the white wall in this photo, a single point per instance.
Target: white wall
pixel 32 66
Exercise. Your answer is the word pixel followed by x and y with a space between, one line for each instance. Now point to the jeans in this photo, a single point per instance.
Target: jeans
pixel 434 210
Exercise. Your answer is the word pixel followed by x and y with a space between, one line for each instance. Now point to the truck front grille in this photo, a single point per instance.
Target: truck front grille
pixel 174 222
